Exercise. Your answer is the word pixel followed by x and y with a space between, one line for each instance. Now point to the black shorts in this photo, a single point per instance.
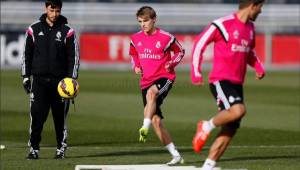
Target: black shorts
pixel 227 94
pixel 164 85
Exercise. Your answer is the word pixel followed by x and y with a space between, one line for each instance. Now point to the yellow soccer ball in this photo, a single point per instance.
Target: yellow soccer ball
pixel 68 88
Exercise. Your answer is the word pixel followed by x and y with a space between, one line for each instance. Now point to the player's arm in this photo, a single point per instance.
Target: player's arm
pixel 134 59
pixel 72 52
pixel 28 53
pixel 205 38
pixel 254 62
pixel 27 59
pixel 177 57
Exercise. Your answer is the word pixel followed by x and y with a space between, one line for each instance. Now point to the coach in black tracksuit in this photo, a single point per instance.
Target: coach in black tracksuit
pixel 50 54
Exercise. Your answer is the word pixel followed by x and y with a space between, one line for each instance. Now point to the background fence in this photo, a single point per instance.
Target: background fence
pixel 104 28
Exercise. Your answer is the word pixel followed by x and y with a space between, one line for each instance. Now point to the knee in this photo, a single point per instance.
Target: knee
pixel 239 110
pixel 156 121
pixel 151 95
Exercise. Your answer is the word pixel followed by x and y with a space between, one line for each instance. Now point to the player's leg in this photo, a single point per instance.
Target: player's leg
pixel 149 99
pixel 232 114
pixel 160 130
pixel 157 124
pixel 160 88
pixel 150 95
pixel 164 85
pixel 230 101
pixel 166 140
pixel 39 110
pixel 220 144
pixel 59 108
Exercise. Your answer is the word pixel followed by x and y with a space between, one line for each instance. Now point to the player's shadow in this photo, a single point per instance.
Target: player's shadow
pixel 248 158
pixel 128 153
pixel 108 143
pixel 257 158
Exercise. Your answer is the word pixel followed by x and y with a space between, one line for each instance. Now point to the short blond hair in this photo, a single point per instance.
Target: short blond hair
pixel 146 11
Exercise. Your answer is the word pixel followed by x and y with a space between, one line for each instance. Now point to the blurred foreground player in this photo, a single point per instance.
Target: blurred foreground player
pixel 234 41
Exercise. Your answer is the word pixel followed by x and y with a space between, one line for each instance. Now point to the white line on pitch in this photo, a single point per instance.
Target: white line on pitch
pixel 138 167
pixel 157 147
pixel 188 147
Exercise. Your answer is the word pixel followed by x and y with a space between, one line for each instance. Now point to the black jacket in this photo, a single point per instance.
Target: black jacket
pixel 50 51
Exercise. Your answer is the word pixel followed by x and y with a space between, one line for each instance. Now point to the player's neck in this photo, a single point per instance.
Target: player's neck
pixel 151 32
pixel 243 15
pixel 50 23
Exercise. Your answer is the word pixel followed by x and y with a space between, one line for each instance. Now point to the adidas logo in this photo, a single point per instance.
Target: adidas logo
pixel 41 33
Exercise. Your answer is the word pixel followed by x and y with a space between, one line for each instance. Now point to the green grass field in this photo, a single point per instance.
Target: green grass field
pixel 103 127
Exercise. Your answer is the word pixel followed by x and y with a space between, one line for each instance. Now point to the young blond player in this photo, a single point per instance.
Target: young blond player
pixel 150 50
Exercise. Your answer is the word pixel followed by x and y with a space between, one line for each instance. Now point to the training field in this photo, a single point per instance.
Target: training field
pixel 103 126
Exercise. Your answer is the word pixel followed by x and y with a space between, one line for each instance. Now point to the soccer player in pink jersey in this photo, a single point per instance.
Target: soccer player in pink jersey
pixel 150 50
pixel 234 40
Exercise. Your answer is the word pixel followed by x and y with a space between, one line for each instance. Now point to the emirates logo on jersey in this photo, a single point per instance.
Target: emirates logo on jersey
pixel 149 55
pixel 244 43
pixel 158 45
pixel 241 48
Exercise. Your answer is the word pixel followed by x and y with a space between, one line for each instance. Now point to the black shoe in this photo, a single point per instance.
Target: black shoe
pixel 60 153
pixel 33 154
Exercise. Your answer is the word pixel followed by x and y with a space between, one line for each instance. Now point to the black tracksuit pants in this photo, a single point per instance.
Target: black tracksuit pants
pixel 44 96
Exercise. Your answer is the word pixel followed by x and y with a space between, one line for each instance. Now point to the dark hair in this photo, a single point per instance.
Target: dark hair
pixel 245 3
pixel 54 3
pixel 146 11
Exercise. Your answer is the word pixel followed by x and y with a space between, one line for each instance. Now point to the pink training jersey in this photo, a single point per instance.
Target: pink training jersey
pixel 233 50
pixel 151 53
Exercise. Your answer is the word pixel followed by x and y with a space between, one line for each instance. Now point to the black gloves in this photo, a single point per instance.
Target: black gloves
pixel 27 84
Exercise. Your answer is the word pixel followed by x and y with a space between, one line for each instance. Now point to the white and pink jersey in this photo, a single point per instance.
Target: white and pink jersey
pixel 233 50
pixel 151 53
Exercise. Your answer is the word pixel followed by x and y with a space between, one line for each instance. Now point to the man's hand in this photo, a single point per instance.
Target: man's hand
pixel 138 70
pixel 168 67
pixel 259 76
pixel 27 84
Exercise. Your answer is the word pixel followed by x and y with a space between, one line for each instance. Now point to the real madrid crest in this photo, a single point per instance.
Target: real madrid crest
pixel 236 34
pixel 58 36
pixel 158 44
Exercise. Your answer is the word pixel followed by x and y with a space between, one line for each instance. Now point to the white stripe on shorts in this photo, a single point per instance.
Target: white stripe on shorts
pixel 165 88
pixel 221 95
